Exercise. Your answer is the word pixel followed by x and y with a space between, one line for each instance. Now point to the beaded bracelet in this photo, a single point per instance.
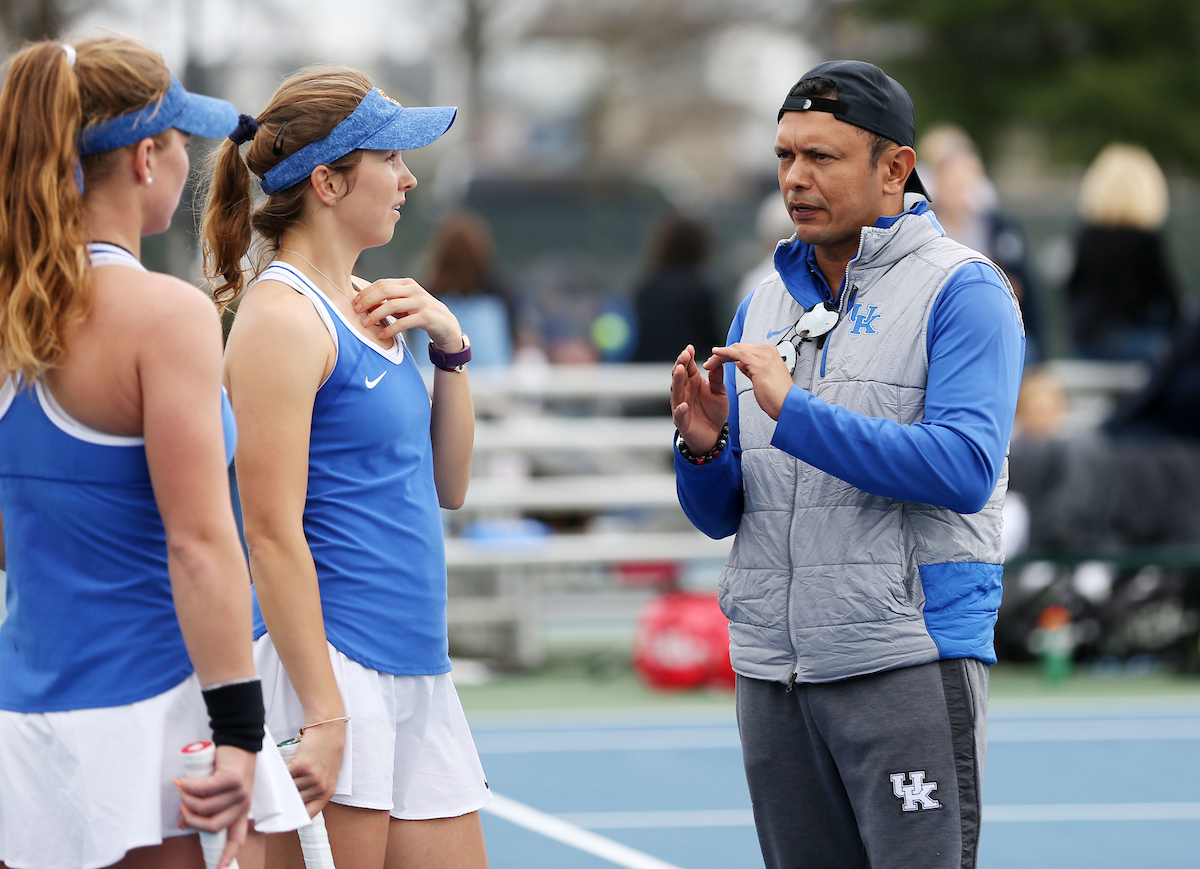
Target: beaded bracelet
pixel 708 457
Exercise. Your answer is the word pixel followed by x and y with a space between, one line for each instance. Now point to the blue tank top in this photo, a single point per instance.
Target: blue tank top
pixel 91 621
pixel 372 519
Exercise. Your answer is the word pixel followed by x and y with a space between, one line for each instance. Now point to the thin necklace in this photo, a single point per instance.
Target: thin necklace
pixel 321 273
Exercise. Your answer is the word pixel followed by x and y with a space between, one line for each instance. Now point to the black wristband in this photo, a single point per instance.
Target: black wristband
pixel 236 714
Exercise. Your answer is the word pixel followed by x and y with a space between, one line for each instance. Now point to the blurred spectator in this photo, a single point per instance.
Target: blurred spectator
pixel 772 226
pixel 566 291
pixel 1122 296
pixel 1092 492
pixel 463 277
pixel 1169 405
pixel 968 208
pixel 1041 406
pixel 673 304
pixel 1136 482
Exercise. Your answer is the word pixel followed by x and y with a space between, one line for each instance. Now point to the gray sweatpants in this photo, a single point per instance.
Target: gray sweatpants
pixel 877 771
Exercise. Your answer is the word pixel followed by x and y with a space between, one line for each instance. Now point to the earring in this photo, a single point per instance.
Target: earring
pixel 149 180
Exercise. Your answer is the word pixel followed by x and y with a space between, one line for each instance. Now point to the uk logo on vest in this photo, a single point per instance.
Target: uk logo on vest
pixel 863 321
pixel 916 796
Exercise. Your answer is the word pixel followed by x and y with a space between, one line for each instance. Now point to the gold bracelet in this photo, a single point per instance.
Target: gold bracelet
pixel 319 723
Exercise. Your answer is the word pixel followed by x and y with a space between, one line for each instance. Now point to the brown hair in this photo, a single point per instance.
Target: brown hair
pixel 44 281
pixel 679 242
pixel 461 260
pixel 305 109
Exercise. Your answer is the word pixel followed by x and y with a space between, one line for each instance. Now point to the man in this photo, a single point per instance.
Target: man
pixel 863 469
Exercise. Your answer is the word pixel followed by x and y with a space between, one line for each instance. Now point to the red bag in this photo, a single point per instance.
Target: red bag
pixel 682 641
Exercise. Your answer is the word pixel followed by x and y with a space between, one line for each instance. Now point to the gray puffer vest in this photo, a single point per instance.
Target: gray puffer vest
pixel 824 580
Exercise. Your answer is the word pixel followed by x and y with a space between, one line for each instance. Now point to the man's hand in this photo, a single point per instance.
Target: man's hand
pixel 765 368
pixel 699 404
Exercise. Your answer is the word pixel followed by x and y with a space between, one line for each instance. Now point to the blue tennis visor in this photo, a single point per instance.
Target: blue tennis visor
pixel 379 123
pixel 191 113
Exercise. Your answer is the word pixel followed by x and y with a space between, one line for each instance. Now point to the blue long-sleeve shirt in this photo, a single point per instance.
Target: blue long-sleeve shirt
pixel 952 458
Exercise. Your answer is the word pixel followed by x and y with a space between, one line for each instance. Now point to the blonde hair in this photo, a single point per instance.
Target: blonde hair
pixel 1124 187
pixel 305 109
pixel 945 142
pixel 44 279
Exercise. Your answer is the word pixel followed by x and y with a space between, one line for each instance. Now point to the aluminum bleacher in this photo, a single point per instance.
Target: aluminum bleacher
pixel 551 443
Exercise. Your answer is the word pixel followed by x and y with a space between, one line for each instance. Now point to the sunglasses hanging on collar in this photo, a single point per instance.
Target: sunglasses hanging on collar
pixel 813 323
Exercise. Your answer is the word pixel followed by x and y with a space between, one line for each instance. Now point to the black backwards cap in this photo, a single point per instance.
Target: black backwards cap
pixel 867 98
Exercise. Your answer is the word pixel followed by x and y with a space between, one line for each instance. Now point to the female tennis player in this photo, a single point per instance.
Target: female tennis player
pixel 343 462
pixel 128 633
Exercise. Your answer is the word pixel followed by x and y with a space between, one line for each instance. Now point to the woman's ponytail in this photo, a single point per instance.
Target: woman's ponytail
pixel 307 106
pixel 225 229
pixel 44 285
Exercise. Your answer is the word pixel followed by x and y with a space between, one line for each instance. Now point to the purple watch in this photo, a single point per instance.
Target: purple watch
pixel 451 361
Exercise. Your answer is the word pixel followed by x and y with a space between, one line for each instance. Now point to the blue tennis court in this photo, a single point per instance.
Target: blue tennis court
pixel 1068 784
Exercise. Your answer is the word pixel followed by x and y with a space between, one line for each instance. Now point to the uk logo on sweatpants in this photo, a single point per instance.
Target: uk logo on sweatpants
pixel 917 795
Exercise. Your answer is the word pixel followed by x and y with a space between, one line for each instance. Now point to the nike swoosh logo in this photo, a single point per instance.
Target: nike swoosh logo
pixel 780 332
pixel 371 384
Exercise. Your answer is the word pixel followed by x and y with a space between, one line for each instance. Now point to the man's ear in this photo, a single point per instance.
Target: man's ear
pixel 898 165
pixel 330 186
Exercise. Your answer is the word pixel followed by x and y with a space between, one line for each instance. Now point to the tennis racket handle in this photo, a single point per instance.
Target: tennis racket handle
pixel 199 761
pixel 314 839
pixel 314 843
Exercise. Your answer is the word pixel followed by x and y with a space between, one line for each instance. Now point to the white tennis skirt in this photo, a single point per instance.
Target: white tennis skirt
pixel 80 788
pixel 408 748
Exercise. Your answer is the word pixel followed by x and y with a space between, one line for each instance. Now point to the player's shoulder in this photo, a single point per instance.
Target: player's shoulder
pixel 133 301
pixel 276 325
pixel 274 305
pixel 153 289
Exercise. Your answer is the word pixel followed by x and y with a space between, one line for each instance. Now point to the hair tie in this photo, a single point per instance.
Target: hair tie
pixel 277 145
pixel 245 130
pixel 69 50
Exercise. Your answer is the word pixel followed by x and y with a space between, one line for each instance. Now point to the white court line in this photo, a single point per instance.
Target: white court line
pixel 607 739
pixel 1094 812
pixel 663 820
pixel 1053 812
pixel 1093 730
pixel 570 834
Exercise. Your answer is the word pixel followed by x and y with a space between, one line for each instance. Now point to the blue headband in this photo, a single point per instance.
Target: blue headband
pixel 378 123
pixel 191 113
